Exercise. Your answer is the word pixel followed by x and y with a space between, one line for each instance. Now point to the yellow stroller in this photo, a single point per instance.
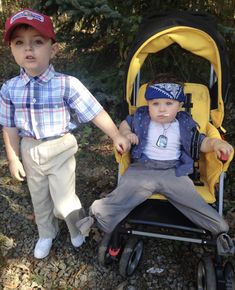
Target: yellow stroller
pixel 157 218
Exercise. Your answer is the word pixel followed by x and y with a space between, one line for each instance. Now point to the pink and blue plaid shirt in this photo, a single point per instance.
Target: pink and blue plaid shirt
pixel 40 107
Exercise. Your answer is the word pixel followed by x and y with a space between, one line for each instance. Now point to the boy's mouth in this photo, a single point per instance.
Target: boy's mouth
pixel 29 57
pixel 164 115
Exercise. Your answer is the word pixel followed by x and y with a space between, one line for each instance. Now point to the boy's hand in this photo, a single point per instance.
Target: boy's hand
pixel 133 138
pixel 17 170
pixel 221 146
pixel 121 143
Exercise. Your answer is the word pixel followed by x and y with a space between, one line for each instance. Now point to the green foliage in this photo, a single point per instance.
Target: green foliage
pixel 85 135
pixel 91 25
pixel 98 35
pixel 9 7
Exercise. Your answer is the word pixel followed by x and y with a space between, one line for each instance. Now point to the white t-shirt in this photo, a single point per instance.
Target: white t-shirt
pixel 172 133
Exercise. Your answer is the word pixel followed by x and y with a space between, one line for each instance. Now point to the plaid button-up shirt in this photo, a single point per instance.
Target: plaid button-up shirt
pixel 40 107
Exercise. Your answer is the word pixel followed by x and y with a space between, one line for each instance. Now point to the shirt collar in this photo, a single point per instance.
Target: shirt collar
pixel 43 78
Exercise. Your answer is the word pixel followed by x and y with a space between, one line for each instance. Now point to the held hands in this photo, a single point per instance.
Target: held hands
pixel 121 143
pixel 17 170
pixel 125 130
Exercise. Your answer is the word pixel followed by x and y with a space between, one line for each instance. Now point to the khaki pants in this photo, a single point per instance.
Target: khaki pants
pixel 50 169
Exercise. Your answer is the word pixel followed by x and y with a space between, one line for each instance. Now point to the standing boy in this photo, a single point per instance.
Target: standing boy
pixel 36 107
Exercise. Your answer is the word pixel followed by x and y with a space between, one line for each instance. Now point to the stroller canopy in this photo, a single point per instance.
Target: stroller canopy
pixel 193 32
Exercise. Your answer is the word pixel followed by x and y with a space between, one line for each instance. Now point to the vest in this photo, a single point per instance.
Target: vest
pixel 139 123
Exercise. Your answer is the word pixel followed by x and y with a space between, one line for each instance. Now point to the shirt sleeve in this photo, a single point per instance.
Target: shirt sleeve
pixel 83 102
pixel 129 120
pixel 7 109
pixel 201 138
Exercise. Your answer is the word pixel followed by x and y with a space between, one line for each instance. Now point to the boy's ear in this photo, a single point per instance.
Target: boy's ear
pixel 55 49
pixel 181 105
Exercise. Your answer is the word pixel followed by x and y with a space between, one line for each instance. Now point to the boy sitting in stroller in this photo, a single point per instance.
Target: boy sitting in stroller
pixel 161 135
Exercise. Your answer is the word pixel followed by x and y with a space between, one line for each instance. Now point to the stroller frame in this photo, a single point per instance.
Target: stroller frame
pixel 149 219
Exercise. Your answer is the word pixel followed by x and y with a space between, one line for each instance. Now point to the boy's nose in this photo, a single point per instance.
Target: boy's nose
pixel 28 46
pixel 162 108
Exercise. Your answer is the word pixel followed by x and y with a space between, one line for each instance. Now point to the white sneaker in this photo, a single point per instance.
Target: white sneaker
pixel 42 248
pixel 78 241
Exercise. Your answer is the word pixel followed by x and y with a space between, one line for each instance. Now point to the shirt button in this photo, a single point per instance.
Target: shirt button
pixel 34 101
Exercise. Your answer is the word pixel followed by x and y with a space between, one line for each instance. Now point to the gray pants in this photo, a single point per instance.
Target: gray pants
pixel 142 180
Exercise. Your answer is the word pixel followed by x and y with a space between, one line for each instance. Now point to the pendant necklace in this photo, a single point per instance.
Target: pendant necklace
pixel 162 139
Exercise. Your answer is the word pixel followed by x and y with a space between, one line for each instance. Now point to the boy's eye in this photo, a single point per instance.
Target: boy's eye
pixel 18 42
pixel 169 103
pixel 156 104
pixel 38 41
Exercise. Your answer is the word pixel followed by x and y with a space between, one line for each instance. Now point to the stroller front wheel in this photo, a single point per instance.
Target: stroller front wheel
pixel 229 276
pixel 206 278
pixel 130 257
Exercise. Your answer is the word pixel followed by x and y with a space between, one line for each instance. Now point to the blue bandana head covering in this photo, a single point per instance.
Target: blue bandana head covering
pixel 165 91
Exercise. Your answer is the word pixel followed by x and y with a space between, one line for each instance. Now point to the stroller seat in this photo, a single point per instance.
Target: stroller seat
pixel 209 165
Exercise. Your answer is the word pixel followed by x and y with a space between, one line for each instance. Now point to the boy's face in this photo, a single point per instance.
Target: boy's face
pixel 163 110
pixel 31 50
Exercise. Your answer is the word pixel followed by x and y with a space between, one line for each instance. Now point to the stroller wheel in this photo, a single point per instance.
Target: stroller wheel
pixel 130 257
pixel 103 251
pixel 229 276
pixel 206 278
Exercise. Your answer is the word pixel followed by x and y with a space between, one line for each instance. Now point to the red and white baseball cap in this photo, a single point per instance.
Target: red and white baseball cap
pixel 40 22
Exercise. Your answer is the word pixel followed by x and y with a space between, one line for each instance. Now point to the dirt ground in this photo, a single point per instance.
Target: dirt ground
pixel 96 175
